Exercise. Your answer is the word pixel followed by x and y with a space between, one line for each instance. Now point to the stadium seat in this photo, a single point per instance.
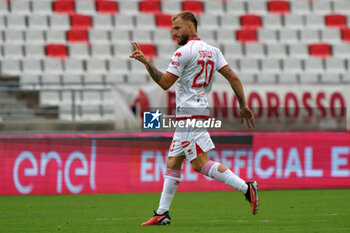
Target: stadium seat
pixel 271 65
pixel 123 49
pixel 321 7
pixel 41 7
pixel 49 98
pixel 163 20
pixel 162 35
pixel 13 36
pixel 321 50
pixel 31 66
pixel 214 7
pixel 2 22
pixel 59 22
pixel 292 66
pixel 249 65
pixel 309 35
pixel 77 36
pixel 287 78
pixel 335 65
pixel 101 51
pixel 208 22
pixel 98 36
pixel 124 21
pixel 250 21
pixel 233 50
pixel 137 78
pixel 16 22
pixel 20 7
pixel 226 35
pixel 52 66
pixel 91 97
pixel 56 36
pixel 120 35
pixel 56 50
pixel 341 50
pixel 114 78
pixel 313 65
pixel 128 7
pixel 38 22
pixel 95 81
pixel 267 35
pixel 144 21
pixel 3 7
pixel 336 20
pixel 118 65
pixel 142 36
pixel 166 50
pixel 341 6
pixel 229 21
pixel 80 21
pixel 315 21
pixel 288 36
pixel 100 21
pixel 333 78
pixel 13 51
pixel 272 21
pixel 52 81
pixel 300 7
pixel 246 78
pixel 10 67
pixel 299 50
pixel 266 78
pixel 85 7
pixel 149 50
pixel 278 7
pixel 64 6
pixel 345 34
pixel 107 7
pixel 254 50
pixel 332 35
pixel 246 35
pixel 194 6
pixel 161 63
pixel 346 77
pixel 78 51
pixel 309 78
pixel 34 50
pixel 35 37
pixel 73 66
pixel 171 7
pixel 96 66
pixel 234 7
pixel 150 7
pixel 276 50
pixel 29 81
pixel 256 7
pixel 294 21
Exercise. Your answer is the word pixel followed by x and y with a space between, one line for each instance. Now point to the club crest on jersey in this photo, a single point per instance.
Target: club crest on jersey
pixel 151 120
pixel 177 54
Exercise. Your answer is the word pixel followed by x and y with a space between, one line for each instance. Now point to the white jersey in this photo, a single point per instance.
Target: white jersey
pixel 195 64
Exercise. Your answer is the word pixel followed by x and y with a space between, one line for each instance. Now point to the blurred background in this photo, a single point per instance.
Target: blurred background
pixel 65 68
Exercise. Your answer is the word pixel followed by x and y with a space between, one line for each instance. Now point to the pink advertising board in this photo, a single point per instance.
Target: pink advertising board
pixel 96 165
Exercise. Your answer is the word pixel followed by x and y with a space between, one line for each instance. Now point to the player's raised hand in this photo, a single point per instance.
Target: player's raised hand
pixel 138 54
pixel 247 115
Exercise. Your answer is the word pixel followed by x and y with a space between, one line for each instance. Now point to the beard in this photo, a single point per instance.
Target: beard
pixel 183 39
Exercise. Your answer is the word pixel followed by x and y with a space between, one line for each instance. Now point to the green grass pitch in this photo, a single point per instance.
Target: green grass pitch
pixel 310 211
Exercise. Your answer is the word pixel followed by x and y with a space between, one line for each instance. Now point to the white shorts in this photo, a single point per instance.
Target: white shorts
pixel 187 141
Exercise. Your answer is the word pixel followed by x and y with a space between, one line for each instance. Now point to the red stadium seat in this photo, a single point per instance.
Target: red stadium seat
pixel 107 7
pixel 336 20
pixel 163 21
pixel 63 6
pixel 321 50
pixel 77 36
pixel 56 50
pixel 345 34
pixel 251 21
pixel 80 21
pixel 278 7
pixel 151 7
pixel 246 35
pixel 149 50
pixel 194 6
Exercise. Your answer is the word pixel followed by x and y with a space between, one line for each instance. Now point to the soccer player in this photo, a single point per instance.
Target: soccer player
pixel 192 69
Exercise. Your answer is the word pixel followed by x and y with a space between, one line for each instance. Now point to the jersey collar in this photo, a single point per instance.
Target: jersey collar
pixel 193 39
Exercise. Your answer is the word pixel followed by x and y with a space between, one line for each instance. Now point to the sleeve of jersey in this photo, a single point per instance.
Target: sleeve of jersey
pixel 221 61
pixel 177 63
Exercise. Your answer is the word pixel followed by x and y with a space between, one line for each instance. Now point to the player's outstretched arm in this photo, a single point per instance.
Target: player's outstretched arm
pixel 245 112
pixel 164 80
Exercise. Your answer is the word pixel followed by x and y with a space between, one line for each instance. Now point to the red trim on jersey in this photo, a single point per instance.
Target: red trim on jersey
pixel 223 67
pixel 192 39
pixel 173 74
pixel 199 150
pixel 192 117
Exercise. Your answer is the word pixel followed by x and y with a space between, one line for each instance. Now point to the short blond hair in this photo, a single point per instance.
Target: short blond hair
pixel 187 16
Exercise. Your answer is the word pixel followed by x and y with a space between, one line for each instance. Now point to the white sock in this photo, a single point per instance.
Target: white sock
pixel 171 182
pixel 228 177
